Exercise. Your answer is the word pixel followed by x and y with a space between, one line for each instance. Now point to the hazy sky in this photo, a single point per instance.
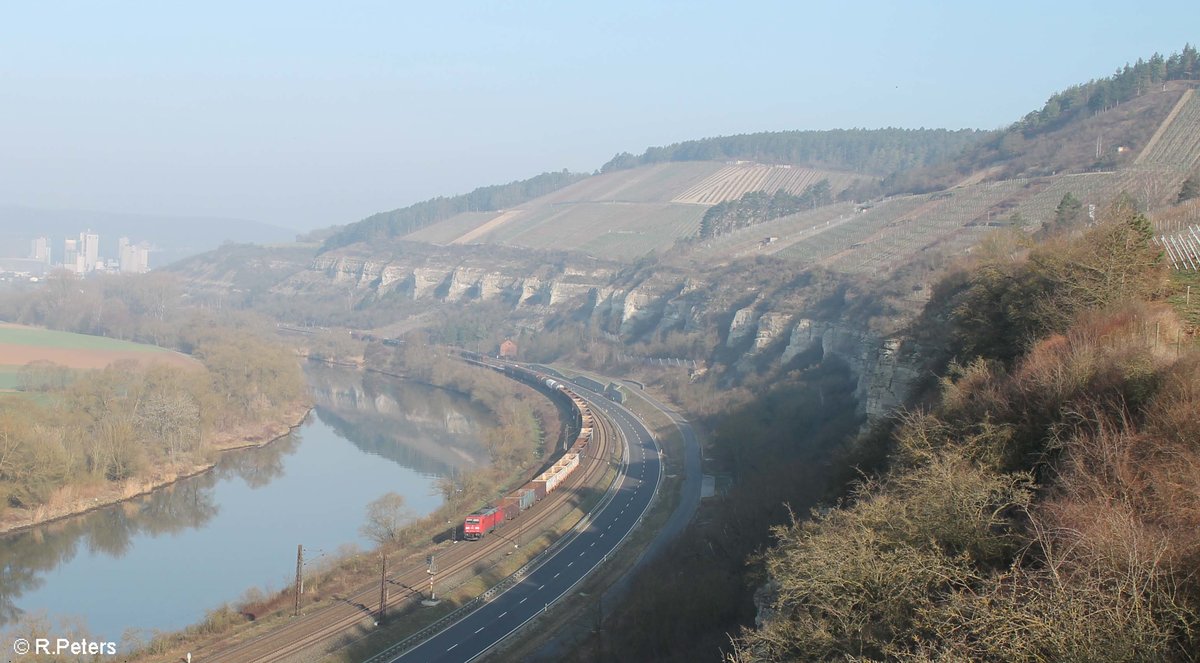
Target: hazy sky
pixel 308 114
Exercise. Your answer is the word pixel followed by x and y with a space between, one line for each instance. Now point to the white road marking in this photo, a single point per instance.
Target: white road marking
pixel 452 646
pixel 581 553
pixel 523 600
pixel 481 628
pixel 502 614
pixel 556 575
pixel 540 588
pixel 570 563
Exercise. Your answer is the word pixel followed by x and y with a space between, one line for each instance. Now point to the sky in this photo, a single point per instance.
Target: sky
pixel 306 114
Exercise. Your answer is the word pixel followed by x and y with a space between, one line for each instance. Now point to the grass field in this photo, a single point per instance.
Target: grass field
pixel 20 345
pixel 48 338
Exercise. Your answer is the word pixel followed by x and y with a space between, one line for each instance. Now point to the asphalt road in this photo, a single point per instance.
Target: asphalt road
pixel 479 631
pixel 554 647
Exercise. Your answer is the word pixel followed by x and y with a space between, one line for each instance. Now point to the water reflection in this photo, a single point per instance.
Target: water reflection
pixel 429 430
pixel 312 487
pixel 26 556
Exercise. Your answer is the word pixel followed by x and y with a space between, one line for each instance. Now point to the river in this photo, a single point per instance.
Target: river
pixel 161 561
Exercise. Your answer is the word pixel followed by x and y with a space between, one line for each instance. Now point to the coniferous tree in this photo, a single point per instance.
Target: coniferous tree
pixel 1069 211
pixel 1189 190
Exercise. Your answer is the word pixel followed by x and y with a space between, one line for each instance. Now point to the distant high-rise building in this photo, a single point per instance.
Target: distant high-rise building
pixel 40 250
pixel 134 258
pixel 71 255
pixel 89 247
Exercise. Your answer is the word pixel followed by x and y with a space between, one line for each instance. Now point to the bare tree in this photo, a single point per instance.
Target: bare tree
pixel 386 517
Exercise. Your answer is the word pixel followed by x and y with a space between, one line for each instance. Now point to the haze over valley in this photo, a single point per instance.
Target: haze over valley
pixel 645 332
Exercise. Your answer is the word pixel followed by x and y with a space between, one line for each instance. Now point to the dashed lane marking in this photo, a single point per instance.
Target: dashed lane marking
pixel 480 629
pixel 523 600
pixel 452 646
pixel 540 588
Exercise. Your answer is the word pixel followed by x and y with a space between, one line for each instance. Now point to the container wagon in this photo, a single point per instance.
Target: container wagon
pixel 524 496
pixel 476 525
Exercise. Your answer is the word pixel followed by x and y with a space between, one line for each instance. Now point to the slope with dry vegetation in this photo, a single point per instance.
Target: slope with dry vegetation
pixel 1044 506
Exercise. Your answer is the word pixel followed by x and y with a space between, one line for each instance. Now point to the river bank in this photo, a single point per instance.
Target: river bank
pixel 75 500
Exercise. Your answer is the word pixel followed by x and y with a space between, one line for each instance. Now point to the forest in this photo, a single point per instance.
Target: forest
pixel 1097 95
pixel 76 430
pixel 869 151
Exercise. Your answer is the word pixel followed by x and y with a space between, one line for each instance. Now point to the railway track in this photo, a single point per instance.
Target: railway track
pixel 458 563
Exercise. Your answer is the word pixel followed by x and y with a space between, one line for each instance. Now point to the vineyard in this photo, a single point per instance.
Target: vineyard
pixel 1177 143
pixel 850 234
pixel 659 183
pixel 1182 249
pixel 620 231
pixel 785 231
pixel 855 239
pixel 731 182
pixel 445 231
pixel 950 221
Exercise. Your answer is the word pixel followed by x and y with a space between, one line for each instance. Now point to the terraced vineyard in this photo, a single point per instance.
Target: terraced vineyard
pixel 772 236
pixel 609 230
pixel 1177 144
pixel 446 231
pixel 845 236
pixel 658 183
pixel 733 181
pixel 1182 249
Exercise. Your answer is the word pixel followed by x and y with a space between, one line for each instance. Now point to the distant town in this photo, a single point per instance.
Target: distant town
pixel 80 255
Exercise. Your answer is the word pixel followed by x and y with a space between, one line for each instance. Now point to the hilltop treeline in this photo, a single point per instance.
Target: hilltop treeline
pixel 1059 137
pixel 132 424
pixel 870 151
pixel 1100 94
pixel 758 206
pixel 1044 506
pixel 402 221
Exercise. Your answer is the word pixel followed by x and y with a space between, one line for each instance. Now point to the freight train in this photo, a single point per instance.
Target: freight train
pixel 487 519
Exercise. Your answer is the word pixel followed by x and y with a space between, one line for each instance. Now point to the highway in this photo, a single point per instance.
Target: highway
pixel 484 628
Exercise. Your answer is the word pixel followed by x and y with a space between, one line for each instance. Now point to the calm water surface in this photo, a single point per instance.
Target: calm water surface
pixel 161 561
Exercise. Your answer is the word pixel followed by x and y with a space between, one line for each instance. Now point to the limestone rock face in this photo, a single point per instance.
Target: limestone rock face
pixel 770 326
pixel 741 326
pixel 629 306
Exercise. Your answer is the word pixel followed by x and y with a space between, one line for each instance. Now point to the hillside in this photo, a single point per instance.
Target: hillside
pixel 618 215
pixel 1042 506
pixel 786 337
pixel 579 255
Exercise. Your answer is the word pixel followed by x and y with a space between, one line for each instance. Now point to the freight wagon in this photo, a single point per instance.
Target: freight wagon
pixel 476 525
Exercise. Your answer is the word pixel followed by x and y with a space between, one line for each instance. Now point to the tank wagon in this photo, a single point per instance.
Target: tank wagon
pixel 476 525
